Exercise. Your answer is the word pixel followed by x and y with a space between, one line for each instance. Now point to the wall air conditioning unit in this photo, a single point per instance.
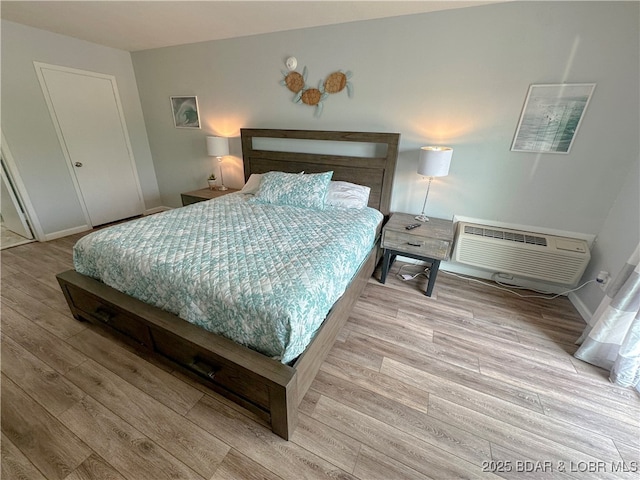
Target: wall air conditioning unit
pixel 536 256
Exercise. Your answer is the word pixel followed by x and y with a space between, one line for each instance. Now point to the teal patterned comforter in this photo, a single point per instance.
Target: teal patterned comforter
pixel 264 276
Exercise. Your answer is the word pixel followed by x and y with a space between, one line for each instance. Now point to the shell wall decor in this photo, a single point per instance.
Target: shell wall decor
pixel 296 82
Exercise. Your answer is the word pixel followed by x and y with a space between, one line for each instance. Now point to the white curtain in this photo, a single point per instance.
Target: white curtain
pixel 611 340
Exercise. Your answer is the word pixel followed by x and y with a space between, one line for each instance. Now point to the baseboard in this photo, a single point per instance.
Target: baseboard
pixel 584 312
pixel 65 233
pixel 153 210
pixel 400 258
pixel 534 285
pixel 457 268
pixel 72 231
pixel 16 244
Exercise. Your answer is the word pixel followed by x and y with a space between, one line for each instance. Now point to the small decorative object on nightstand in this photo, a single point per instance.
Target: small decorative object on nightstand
pixel 212 181
pixel 203 194
pixel 430 242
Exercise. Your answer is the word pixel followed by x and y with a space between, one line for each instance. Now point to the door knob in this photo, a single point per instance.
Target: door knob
pixel 78 164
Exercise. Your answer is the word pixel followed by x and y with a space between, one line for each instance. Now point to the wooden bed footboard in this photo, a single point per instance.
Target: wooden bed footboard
pixel 258 383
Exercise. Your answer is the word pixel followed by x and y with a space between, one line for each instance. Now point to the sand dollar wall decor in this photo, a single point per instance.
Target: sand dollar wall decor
pixel 296 82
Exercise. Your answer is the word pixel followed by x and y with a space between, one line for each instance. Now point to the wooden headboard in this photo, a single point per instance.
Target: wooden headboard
pixel 375 169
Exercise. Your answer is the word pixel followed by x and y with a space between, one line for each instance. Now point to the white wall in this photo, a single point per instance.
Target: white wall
pixel 616 241
pixel 456 77
pixel 29 131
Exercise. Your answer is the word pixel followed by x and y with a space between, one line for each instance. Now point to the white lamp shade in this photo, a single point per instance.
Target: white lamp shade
pixel 217 146
pixel 435 161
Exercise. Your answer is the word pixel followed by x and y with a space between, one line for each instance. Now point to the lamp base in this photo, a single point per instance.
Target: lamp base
pixel 222 188
pixel 422 218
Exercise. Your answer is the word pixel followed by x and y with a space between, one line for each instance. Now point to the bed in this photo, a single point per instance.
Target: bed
pixel 270 386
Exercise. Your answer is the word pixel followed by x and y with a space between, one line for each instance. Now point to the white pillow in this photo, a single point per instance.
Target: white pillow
pixel 347 195
pixel 253 184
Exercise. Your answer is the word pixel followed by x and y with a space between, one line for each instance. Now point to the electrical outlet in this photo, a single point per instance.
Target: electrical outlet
pixel 603 279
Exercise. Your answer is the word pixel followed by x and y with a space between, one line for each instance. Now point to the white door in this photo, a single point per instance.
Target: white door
pixel 85 107
pixel 13 217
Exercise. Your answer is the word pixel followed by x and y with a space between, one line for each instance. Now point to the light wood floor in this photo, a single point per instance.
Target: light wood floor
pixel 414 388
pixel 10 239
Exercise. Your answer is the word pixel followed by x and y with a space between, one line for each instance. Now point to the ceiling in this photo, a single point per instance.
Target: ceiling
pixel 141 25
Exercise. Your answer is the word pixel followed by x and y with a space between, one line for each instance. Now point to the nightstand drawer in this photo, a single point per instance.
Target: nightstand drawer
pixel 203 194
pixel 189 199
pixel 428 247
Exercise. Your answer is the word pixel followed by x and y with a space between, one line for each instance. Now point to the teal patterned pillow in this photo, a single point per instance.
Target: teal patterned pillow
pixel 294 189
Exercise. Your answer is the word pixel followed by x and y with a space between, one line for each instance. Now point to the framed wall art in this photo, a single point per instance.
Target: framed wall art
pixel 551 117
pixel 185 112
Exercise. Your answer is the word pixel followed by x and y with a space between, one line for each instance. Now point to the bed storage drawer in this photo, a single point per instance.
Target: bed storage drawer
pixel 211 369
pixel 260 384
pixel 101 312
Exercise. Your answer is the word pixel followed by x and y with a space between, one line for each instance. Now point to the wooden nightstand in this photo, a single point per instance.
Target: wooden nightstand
pixel 430 242
pixel 203 194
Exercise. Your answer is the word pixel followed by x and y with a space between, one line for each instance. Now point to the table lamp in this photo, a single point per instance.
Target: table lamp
pixel 218 147
pixel 434 162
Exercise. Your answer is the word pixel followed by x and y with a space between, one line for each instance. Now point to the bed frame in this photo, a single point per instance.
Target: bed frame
pixel 266 387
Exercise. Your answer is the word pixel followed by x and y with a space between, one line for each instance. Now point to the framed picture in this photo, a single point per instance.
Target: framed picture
pixel 185 112
pixel 551 117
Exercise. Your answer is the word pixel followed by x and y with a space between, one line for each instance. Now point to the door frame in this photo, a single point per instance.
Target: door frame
pixel 20 190
pixel 40 66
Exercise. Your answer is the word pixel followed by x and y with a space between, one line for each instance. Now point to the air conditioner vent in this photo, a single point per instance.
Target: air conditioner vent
pixel 506 235
pixel 531 255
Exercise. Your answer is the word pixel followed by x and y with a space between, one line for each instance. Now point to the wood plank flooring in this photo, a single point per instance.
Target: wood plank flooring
pixel 471 383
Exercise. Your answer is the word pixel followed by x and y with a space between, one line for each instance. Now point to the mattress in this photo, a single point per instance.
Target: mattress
pixel 264 276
